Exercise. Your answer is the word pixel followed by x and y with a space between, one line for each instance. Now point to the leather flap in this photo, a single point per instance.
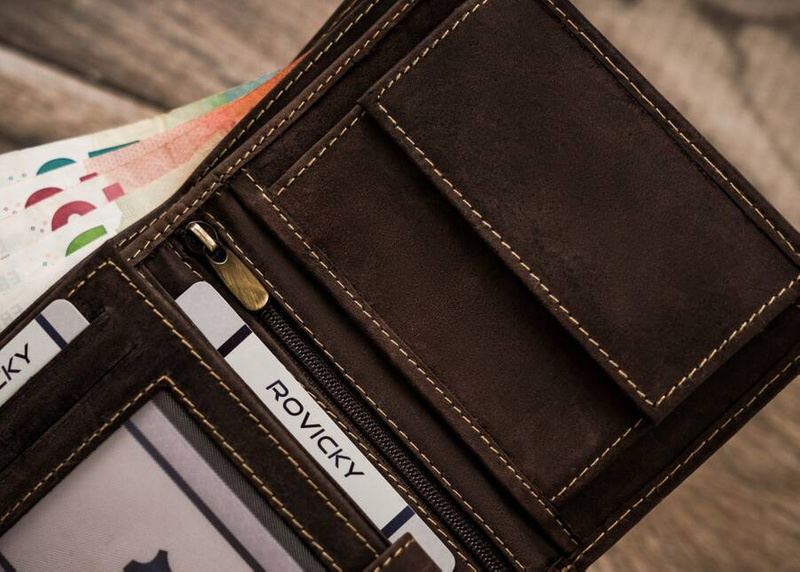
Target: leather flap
pixel 644 243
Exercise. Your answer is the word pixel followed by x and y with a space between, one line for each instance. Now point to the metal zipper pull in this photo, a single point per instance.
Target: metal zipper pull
pixel 231 270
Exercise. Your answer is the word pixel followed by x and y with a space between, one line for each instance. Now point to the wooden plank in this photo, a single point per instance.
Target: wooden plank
pixel 165 53
pixel 43 104
pixel 8 145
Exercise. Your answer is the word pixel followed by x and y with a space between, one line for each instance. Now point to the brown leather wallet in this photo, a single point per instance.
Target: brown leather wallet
pixel 534 294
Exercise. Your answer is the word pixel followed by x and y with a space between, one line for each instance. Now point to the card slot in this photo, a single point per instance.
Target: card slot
pixel 175 359
pixel 383 387
pixel 658 462
pixel 45 399
pixel 369 224
pixel 287 501
pixel 309 392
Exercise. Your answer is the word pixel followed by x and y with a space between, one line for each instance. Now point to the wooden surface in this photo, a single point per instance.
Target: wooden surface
pixel 732 66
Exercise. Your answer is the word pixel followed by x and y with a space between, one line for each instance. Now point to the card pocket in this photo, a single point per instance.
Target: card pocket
pixel 51 392
pixel 465 332
pixel 388 401
pixel 289 370
pixel 169 358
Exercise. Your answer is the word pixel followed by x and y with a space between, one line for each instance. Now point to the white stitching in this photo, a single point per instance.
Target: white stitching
pixel 263 137
pixel 239 459
pixel 572 319
pixel 230 393
pixel 688 458
pixel 674 127
pixel 245 466
pixel 416 365
pixel 547 292
pixel 445 536
pixel 596 460
pixel 389 557
pixel 363 392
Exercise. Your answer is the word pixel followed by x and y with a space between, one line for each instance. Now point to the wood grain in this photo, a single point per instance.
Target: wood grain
pixel 70 67
pixel 165 53
pixel 42 103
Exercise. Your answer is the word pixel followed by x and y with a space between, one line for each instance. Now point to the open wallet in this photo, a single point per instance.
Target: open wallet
pixel 462 292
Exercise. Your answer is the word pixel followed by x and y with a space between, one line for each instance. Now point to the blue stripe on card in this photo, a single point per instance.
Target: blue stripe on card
pixel 192 495
pixel 237 338
pixel 51 331
pixel 399 520
pixel 5 565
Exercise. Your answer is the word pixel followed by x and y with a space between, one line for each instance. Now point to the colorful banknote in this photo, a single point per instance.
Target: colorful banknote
pixel 58 223
pixel 22 280
pixel 70 172
pixel 25 164
pixel 159 164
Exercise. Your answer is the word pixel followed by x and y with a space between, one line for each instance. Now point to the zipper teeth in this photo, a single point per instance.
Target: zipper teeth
pixel 330 382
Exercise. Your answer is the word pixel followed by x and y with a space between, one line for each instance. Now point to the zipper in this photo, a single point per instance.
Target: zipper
pixel 244 285
pixel 241 282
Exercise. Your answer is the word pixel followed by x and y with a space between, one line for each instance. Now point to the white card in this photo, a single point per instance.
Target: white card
pixel 36 344
pixel 145 500
pixel 310 425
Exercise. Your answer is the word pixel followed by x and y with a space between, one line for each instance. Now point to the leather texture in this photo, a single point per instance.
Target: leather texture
pixel 403 555
pixel 528 266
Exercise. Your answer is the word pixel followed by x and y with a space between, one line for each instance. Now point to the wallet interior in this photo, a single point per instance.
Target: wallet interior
pixel 528 270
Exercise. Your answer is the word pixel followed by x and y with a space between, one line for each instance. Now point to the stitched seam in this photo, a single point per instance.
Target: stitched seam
pixel 744 325
pixel 239 460
pixel 288 85
pixel 519 260
pixel 678 384
pixel 264 109
pixel 184 261
pixel 387 472
pixel 318 155
pixel 75 452
pixel 394 555
pixel 596 460
pixel 274 440
pixel 688 458
pixel 336 418
pixel 263 137
pixel 463 415
pixel 242 462
pixel 537 280
pixel 642 395
pixel 675 128
pixel 635 87
pixel 366 396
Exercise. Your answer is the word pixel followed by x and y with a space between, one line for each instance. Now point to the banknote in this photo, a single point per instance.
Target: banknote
pixel 84 233
pixel 16 166
pixel 27 273
pixel 160 163
pixel 79 166
pixel 145 179
pixel 22 280
pixel 46 216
